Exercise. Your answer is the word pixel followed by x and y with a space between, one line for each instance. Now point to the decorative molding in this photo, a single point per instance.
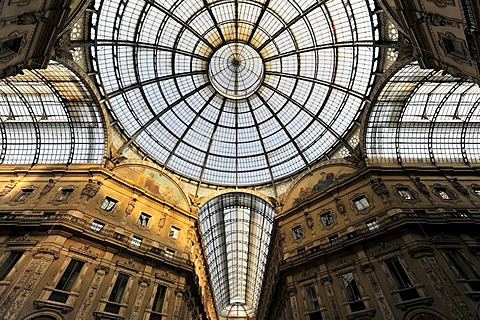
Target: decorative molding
pixel 343 264
pixel 385 248
pixel 64 308
pixel 442 3
pixel 413 193
pixel 44 250
pixel 356 197
pixel 377 290
pixel 129 264
pixel 140 297
pixel 421 251
pixel 84 251
pixel 100 272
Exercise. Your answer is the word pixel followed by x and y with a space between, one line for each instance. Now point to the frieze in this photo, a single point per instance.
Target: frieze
pixel 421 251
pixel 342 263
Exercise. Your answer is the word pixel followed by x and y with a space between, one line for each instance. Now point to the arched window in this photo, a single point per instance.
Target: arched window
pixel 424 316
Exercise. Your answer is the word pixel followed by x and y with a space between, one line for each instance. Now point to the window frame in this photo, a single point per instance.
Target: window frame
pixel 7 264
pixel 106 204
pixel 65 284
pixel 144 219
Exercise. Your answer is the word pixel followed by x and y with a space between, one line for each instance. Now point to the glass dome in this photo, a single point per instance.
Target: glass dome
pixel 235 93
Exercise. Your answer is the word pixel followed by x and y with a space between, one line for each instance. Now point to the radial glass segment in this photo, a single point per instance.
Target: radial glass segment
pixel 236 230
pixel 235 93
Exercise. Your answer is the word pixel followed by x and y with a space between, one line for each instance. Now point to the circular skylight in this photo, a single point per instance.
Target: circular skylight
pixel 236 70
pixel 235 93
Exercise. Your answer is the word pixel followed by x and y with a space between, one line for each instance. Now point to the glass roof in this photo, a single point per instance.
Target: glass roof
pixel 235 93
pixel 236 230
pixel 423 116
pixel 48 116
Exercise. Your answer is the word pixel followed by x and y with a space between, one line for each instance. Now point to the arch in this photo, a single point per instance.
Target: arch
pixel 410 119
pixel 236 229
pixel 49 116
pixel 423 314
pixel 45 315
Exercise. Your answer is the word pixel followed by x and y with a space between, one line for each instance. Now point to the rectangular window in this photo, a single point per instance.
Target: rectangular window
pixel 297 232
pixel 169 253
pixel 361 203
pixel 108 204
pixel 312 299
pixel 327 219
pixel 66 282
pixel 144 219
pixel 96 226
pixel 353 294
pixel 136 242
pixel 334 240
pixel 465 269
pixel 115 298
pixel 301 252
pixel 7 265
pixel 174 232
pixel 401 280
pixel 158 302
pixel 372 225
pixel 476 190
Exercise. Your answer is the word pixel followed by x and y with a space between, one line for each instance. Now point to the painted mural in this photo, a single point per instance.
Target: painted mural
pixel 315 183
pixel 154 182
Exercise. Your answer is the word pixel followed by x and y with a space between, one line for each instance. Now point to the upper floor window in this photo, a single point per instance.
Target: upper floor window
pixel 401 279
pixel 352 292
pixel 10 47
pixel 461 265
pixel 23 195
pixel 108 204
pixel 96 226
pixel 405 193
pixel 8 263
pixel 144 219
pixel 65 194
pixel 443 193
pixel 169 253
pixel 372 225
pixel 327 218
pixel 115 298
pixel 334 240
pixel 158 303
pixel 312 298
pixel 66 282
pixel 136 241
pixel 361 203
pixel 174 232
pixel 297 232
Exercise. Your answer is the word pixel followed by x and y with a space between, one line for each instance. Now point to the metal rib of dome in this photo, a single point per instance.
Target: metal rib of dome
pixel 235 93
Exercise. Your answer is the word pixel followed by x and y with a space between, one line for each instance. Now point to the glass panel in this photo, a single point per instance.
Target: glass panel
pixel 236 93
pixel 236 230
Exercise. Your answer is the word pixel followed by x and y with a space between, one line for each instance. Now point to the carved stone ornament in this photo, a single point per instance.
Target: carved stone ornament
pixel 48 187
pixel 422 187
pixel 43 250
pixel 8 187
pixel 460 188
pixel 309 220
pixel 90 189
pixel 443 3
pixel 84 251
pixel 380 189
pixel 385 248
pixel 340 206
pixel 129 264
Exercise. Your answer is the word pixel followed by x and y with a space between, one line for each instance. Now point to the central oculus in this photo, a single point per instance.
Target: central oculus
pixel 236 70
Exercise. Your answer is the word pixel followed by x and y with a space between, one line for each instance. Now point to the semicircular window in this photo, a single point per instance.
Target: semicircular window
pixel 235 93
pixel 48 116
pixel 425 117
pixel 236 230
